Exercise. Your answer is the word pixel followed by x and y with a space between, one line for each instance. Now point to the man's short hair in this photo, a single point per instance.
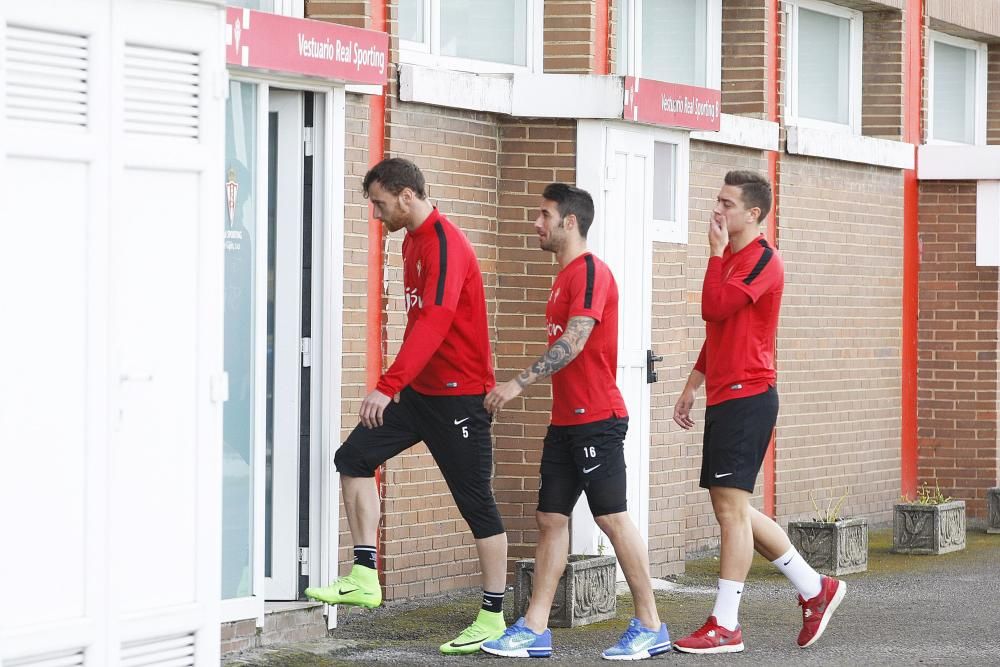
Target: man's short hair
pixel 572 201
pixel 394 174
pixel 755 189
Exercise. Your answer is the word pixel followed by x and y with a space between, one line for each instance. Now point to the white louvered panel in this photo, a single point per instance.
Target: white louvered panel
pixel 175 651
pixel 62 659
pixel 161 91
pixel 47 76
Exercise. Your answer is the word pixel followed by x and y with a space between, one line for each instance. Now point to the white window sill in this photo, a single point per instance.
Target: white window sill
pixel 523 95
pixel 743 131
pixel 940 162
pixel 850 147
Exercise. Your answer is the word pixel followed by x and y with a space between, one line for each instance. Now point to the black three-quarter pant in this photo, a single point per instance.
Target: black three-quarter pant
pixel 737 435
pixel 456 430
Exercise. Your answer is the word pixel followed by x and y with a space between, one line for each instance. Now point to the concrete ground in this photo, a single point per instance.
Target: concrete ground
pixel 905 610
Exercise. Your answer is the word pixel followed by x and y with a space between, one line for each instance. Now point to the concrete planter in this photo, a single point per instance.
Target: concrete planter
pixel 993 511
pixel 928 529
pixel 585 594
pixel 834 548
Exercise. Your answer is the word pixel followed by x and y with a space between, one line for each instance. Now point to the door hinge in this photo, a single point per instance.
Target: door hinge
pixel 307 140
pixel 304 560
pixel 305 346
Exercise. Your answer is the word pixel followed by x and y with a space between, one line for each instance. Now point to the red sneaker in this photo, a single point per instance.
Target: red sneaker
pixel 816 612
pixel 712 638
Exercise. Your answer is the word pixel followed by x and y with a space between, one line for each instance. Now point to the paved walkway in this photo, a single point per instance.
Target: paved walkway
pixel 906 610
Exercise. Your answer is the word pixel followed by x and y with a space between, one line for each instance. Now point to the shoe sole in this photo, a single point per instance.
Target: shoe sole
pixel 519 653
pixel 447 649
pixel 366 605
pixel 642 655
pixel 727 648
pixel 832 607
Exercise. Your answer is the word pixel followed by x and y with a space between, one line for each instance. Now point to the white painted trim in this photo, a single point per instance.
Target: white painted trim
pixel 743 131
pixel 850 148
pixel 365 88
pixel 458 90
pixel 520 95
pixel 979 91
pixel 955 162
pixel 676 230
pixel 563 95
pixel 428 52
pixel 242 609
pixel 988 223
pixel 258 467
pixel 855 51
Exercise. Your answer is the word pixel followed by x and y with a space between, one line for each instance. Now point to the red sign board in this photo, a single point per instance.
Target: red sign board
pixel 260 40
pixel 672 104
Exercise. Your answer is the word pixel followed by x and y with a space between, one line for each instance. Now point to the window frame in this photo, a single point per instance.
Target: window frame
pixel 676 230
pixel 979 88
pixel 629 63
pixel 854 75
pixel 428 52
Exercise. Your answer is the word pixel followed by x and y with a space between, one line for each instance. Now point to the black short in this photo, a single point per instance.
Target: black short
pixel 737 434
pixel 456 430
pixel 585 457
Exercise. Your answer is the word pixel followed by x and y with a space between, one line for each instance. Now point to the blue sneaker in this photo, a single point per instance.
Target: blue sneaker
pixel 639 643
pixel 518 641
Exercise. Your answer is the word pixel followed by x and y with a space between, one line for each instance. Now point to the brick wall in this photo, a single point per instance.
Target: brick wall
pixel 532 155
pixel 838 339
pixel 355 14
pixel 709 164
pixel 957 376
pixel 569 36
pixel 668 472
pixel 882 75
pixel 355 332
pixel 744 57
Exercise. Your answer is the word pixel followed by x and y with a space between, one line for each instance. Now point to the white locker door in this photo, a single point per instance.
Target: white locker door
pixel 54 78
pixel 622 190
pixel 167 241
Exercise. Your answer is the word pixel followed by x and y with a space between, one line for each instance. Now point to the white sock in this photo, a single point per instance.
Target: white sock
pixel 727 604
pixel 800 573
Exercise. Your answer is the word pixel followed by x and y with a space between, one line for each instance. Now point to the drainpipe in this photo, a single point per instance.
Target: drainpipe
pixel 601 25
pixel 912 99
pixel 374 356
pixel 774 73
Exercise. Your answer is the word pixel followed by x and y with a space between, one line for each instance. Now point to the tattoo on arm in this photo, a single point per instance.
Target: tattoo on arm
pixel 560 353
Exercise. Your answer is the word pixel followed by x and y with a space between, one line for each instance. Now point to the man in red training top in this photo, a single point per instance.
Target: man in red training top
pixel 583 450
pixel 433 393
pixel 740 300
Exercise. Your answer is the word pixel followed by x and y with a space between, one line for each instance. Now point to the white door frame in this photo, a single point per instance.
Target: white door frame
pixel 327 294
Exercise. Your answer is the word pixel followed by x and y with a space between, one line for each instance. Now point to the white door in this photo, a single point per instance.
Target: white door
pixel 619 175
pixel 285 345
pixel 110 412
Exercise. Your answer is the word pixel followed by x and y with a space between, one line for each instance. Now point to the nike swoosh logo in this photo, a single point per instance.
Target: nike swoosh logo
pixel 459 421
pixel 788 561
pixel 588 470
pixel 722 474
pixel 343 592
pixel 478 641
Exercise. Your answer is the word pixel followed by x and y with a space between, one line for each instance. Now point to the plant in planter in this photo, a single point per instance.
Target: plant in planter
pixel 831 544
pixel 993 509
pixel 929 524
pixel 585 593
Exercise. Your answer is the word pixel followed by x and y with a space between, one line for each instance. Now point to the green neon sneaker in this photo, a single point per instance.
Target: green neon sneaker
pixel 488 625
pixel 359 588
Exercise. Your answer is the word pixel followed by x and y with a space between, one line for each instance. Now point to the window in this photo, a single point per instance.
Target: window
pixel 472 35
pixel 824 66
pixel 670 178
pixel 677 41
pixel 957 87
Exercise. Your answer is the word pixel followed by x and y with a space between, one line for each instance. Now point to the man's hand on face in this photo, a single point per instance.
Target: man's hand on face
pixel 718 237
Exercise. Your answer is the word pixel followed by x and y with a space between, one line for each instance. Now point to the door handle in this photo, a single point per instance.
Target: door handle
pixel 651 359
